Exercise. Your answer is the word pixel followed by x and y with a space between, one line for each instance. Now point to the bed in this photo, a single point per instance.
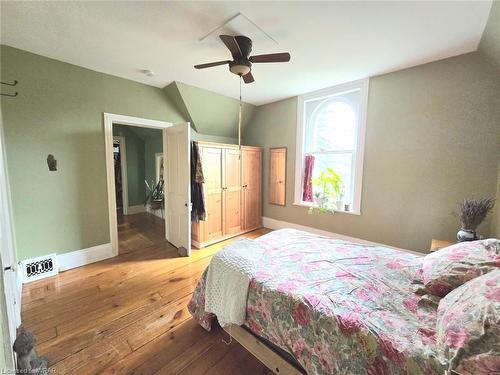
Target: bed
pixel 337 307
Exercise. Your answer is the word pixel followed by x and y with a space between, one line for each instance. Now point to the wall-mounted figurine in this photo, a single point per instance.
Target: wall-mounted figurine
pixel 52 163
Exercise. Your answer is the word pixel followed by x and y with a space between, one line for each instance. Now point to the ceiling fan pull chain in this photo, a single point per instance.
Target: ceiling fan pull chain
pixel 239 121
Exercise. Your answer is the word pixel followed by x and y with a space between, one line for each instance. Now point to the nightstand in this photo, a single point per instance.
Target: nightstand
pixel 439 244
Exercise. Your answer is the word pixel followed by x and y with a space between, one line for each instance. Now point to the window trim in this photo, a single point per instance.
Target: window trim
pixel 363 85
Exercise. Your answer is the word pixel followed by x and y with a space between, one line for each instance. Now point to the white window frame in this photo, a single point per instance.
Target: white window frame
pixel 363 86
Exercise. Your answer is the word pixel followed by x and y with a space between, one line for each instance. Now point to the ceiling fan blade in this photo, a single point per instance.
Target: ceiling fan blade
pixel 248 78
pixel 245 45
pixel 232 45
pixel 271 57
pixel 209 65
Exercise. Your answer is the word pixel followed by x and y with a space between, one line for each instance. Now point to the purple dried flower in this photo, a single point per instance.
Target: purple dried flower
pixel 473 211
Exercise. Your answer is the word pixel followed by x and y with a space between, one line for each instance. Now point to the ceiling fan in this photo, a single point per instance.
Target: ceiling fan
pixel 240 47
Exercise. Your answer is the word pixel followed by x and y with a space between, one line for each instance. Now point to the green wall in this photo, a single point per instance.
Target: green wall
pixel 490 41
pixel 59 110
pixel 490 49
pixel 433 138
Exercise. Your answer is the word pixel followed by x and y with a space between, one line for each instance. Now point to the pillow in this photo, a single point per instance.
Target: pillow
pixel 450 267
pixel 468 326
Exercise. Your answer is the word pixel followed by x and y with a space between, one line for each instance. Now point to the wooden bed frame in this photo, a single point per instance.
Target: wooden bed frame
pixel 263 352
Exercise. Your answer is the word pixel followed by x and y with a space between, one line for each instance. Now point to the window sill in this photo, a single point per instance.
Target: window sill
pixel 302 204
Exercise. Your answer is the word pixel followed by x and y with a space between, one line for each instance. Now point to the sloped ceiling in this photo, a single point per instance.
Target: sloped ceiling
pixel 175 97
pixel 490 41
pixel 209 113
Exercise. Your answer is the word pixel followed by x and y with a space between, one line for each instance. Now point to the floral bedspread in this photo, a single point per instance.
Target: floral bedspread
pixel 339 307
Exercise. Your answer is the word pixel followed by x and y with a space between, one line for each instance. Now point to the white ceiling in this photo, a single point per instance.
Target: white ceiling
pixel 330 42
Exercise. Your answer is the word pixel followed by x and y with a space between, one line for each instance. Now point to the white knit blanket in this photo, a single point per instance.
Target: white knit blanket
pixel 228 277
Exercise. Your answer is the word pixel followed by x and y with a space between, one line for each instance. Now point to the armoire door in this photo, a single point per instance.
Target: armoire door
pixel 252 164
pixel 232 191
pixel 212 171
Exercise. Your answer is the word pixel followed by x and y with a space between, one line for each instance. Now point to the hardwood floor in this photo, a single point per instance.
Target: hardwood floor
pixel 128 315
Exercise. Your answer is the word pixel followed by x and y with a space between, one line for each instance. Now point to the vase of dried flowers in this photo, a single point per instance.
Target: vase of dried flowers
pixel 472 212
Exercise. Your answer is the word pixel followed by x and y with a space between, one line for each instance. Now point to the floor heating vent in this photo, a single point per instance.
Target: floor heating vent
pixel 39 268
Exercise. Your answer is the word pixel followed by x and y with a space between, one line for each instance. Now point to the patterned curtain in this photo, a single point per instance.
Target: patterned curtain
pixel 307 191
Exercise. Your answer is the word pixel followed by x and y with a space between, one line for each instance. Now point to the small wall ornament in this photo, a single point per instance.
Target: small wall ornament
pixel 52 162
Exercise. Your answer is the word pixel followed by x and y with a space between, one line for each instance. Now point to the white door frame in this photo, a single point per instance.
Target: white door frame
pixel 123 169
pixel 10 294
pixel 109 120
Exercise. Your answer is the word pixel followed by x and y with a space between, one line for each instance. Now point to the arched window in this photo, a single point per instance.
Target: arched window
pixel 332 128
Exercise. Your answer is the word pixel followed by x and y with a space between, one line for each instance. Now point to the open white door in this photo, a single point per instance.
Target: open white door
pixel 176 147
pixel 10 293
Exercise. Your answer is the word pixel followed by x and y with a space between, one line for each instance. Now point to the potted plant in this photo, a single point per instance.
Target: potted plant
pixel 472 212
pixel 329 192
pixel 155 195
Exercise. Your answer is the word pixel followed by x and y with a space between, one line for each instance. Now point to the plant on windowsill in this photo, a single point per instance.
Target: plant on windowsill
pixel 330 191
pixel 472 213
pixel 154 197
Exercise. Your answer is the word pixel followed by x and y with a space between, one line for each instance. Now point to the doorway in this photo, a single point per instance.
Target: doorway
pixel 141 193
pixel 139 187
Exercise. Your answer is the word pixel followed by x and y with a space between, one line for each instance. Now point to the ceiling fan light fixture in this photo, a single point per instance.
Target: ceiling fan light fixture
pixel 240 47
pixel 239 69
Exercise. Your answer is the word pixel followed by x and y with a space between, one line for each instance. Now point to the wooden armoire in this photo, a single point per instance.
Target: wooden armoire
pixel 233 199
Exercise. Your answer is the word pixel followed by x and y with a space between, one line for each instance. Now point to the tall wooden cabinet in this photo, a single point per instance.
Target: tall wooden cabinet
pixel 232 195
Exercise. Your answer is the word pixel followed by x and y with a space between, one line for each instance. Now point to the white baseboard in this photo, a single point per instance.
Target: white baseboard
pixel 278 224
pixel 82 257
pixel 131 210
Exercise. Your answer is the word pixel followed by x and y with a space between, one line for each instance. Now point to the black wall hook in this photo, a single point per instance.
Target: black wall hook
pixel 11 95
pixel 9 84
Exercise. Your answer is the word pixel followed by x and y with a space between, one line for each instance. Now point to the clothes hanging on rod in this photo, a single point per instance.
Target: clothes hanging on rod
pixel 198 211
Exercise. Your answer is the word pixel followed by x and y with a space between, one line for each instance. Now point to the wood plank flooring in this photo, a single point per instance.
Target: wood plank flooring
pixel 128 315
